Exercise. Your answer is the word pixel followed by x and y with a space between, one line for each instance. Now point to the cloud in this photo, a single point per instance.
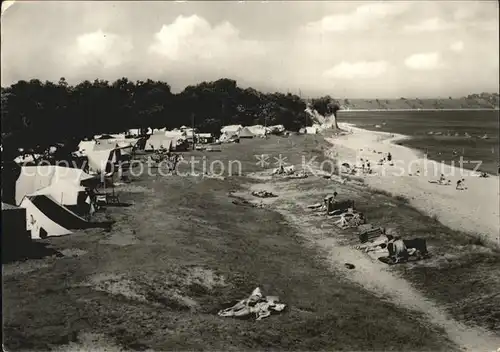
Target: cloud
pixel 434 24
pixel 457 46
pixel 424 61
pixel 193 38
pixel 99 49
pixel 362 18
pixel 354 70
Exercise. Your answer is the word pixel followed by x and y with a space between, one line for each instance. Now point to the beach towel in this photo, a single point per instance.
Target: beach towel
pixel 256 304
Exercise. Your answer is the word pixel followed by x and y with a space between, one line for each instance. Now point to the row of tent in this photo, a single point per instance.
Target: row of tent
pixel 49 201
pixel 228 132
pixel 52 200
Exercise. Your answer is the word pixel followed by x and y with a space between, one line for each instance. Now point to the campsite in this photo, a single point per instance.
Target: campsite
pixel 169 261
pixel 250 176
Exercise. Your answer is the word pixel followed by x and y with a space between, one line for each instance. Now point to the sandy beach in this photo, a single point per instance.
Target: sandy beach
pixel 473 210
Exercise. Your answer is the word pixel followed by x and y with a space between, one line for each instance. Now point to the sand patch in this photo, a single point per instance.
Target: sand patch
pixel 174 290
pixel 116 285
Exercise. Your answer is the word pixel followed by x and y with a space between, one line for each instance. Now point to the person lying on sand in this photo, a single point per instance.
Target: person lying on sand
pixel 398 251
pixel 329 200
pixel 461 184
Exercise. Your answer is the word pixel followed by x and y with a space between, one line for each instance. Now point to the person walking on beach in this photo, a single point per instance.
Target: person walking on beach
pixel 389 157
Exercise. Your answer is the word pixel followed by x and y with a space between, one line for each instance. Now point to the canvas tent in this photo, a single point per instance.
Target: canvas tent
pixel 84 146
pixel 227 137
pixel 38 223
pixel 176 134
pixel 34 178
pixel 276 129
pixel 158 141
pixel 258 130
pixel 231 129
pixel 125 145
pixel 103 160
pixel 246 133
pixel 69 194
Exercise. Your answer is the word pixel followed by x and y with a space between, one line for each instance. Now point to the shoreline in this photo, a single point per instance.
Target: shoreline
pixel 400 139
pixel 474 210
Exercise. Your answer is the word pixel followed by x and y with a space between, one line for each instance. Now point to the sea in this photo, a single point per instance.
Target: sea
pixel 446 136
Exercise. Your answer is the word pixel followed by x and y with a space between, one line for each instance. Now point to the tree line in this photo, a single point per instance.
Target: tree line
pixel 38 114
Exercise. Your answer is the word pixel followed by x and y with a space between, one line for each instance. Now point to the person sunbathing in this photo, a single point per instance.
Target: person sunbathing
pixel 461 184
pixel 397 250
pixel 441 179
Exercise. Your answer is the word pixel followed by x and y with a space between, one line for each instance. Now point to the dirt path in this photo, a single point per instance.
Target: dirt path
pixel 374 276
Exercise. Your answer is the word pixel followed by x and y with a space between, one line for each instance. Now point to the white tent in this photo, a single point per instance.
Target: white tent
pixel 101 160
pixel 258 130
pixel 34 178
pixel 126 145
pixel 276 129
pixel 84 146
pixel 64 192
pixel 36 221
pixel 175 134
pixel 245 133
pixel 227 136
pixel 231 129
pixel 158 141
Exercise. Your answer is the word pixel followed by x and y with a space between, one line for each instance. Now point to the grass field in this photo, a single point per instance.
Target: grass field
pixel 183 250
pixel 417 124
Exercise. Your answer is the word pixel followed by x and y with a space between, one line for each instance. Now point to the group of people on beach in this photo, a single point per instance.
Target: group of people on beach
pixel 460 185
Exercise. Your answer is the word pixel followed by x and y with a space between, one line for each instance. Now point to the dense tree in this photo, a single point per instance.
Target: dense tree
pixel 325 105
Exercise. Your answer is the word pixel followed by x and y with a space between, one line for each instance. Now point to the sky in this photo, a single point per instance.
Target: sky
pixel 347 49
